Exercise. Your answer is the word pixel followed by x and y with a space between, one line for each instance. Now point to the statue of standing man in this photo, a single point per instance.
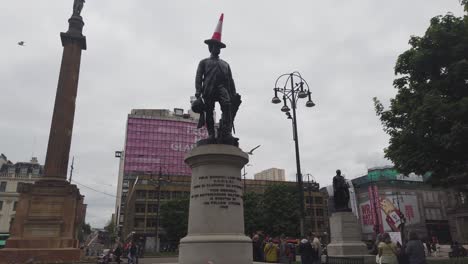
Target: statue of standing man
pixel 214 83
pixel 77 7
pixel 340 193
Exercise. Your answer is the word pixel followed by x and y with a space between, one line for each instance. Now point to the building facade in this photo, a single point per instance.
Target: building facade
pixel 272 174
pixel 156 142
pixel 388 201
pixel 457 213
pixel 13 175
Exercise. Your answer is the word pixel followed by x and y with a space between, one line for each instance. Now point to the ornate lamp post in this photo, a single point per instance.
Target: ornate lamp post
pixel 292 94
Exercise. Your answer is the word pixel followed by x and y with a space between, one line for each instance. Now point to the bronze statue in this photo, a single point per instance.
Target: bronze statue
pixel 214 83
pixel 340 193
pixel 77 7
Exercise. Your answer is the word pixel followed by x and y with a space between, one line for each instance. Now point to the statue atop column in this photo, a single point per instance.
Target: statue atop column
pixel 340 193
pixel 77 7
pixel 214 83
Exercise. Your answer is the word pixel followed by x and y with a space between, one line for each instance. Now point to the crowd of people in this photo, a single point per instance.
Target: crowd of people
pixel 414 250
pixel 284 250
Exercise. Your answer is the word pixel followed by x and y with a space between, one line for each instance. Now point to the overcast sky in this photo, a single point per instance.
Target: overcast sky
pixel 144 54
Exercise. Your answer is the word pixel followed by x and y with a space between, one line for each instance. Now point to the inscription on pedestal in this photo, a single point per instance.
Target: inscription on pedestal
pixel 220 191
pixel 46 206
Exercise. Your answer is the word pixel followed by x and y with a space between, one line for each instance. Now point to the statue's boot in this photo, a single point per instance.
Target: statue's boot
pixel 226 127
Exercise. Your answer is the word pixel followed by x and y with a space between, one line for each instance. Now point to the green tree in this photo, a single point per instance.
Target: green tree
pixel 111 232
pixel 281 211
pixel 174 219
pixel 253 212
pixel 428 119
pixel 83 231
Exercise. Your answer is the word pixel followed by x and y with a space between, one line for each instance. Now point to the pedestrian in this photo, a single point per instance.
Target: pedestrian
pixel 257 248
pixel 316 245
pixel 306 251
pixel 415 250
pixel 283 250
pixel 118 252
pixel 429 248
pixel 292 251
pixel 271 252
pixel 388 251
pixel 132 253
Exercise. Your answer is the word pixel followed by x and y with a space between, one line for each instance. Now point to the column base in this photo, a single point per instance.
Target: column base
pixel 226 249
pixel 47 218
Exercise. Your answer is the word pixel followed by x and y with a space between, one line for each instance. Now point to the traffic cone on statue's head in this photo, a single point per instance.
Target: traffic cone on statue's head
pixel 216 38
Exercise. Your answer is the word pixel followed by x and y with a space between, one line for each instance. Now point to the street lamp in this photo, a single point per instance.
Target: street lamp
pixel 292 95
pixel 157 182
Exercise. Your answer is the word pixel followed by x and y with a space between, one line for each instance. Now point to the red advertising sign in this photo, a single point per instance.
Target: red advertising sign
pixel 377 203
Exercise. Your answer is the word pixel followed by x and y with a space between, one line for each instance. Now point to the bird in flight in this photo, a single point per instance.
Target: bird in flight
pixel 251 151
pixel 21 43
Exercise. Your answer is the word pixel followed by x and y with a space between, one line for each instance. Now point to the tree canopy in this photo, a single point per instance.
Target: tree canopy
pixel 275 212
pixel 428 119
pixel 174 219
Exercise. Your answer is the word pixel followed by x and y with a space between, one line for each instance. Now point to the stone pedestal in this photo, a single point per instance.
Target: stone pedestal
pixel 47 218
pixel 346 238
pixel 216 214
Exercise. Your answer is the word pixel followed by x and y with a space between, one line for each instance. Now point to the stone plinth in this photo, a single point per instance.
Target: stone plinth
pixel 346 238
pixel 216 214
pixel 47 218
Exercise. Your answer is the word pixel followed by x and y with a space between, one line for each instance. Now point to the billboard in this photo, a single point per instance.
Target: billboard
pixel 157 144
pixel 390 211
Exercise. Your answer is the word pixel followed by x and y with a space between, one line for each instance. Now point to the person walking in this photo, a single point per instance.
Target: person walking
pixel 132 253
pixel 257 248
pixel 118 252
pixel 317 247
pixel 271 252
pixel 415 250
pixel 283 250
pixel 388 251
pixel 306 251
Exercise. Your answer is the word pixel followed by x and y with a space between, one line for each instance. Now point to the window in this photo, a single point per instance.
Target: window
pixel 19 186
pixel 319 212
pixel 1 205
pixel 152 208
pixel 141 194
pixel 3 186
pixel 140 208
pixel 318 200
pixel 125 183
pixel 14 205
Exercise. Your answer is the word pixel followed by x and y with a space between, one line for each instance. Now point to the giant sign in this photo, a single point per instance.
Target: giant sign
pixel 155 144
pixel 390 212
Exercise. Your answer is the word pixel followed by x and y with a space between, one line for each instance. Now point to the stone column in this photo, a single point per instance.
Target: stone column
pixel 50 211
pixel 216 214
pixel 58 149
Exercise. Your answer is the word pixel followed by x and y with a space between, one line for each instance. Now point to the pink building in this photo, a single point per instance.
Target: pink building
pixel 160 141
pixel 156 141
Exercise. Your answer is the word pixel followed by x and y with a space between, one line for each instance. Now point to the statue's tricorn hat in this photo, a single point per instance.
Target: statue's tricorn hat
pixel 216 38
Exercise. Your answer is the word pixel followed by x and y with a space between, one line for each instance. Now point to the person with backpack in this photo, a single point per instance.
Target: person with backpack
pixel 271 252
pixel 388 251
